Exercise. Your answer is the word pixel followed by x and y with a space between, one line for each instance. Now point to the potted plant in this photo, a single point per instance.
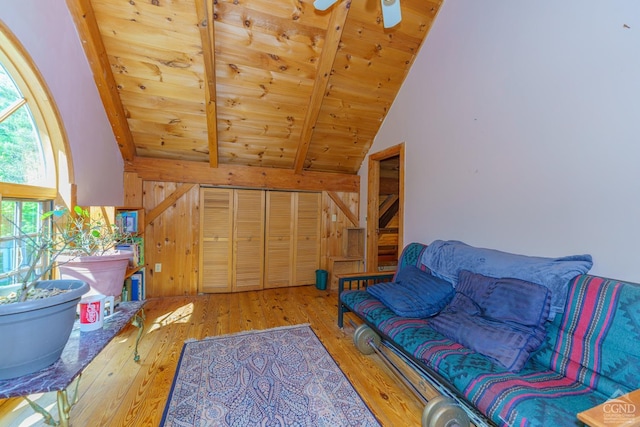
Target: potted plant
pixel 36 315
pixel 92 254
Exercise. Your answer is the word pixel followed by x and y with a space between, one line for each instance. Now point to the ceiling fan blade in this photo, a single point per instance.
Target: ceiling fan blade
pixel 323 4
pixel 391 14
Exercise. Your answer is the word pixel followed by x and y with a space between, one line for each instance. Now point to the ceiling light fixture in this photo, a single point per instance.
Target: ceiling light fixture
pixel 391 14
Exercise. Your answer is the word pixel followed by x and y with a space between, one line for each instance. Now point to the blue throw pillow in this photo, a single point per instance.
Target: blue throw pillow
pixel 414 293
pixel 503 318
pixel 507 299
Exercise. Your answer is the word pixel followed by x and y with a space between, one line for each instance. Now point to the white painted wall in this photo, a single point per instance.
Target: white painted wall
pixel 522 129
pixel 46 30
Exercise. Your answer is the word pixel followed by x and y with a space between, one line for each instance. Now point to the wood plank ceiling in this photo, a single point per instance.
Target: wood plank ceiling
pixel 250 83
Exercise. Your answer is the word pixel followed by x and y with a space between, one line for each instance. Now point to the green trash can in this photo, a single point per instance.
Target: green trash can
pixel 321 279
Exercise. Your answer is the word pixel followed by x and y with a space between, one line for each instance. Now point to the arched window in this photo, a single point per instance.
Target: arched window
pixel 21 154
pixel 34 168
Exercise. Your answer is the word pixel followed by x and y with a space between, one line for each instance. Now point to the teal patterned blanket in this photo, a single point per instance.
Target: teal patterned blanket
pixel 590 353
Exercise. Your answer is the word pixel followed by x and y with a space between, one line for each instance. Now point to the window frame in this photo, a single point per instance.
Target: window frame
pixel 58 165
pixel 46 117
pixel 13 246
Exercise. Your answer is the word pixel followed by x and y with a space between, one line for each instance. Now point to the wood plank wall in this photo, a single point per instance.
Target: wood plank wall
pixel 172 231
pixel 333 231
pixel 171 239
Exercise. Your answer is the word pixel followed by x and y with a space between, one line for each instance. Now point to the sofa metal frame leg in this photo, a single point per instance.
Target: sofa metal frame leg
pixel 365 338
pixel 442 408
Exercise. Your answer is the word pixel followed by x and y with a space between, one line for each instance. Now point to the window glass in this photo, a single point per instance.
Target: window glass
pixel 21 222
pixel 9 93
pixel 21 155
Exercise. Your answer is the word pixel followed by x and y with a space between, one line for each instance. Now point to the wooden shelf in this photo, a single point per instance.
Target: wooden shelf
pixel 140 220
pixel 354 242
pixel 342 265
pixel 131 271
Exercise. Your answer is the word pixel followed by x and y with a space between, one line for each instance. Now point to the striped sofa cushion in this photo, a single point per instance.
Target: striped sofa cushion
pixel 596 341
pixel 589 354
pixel 476 375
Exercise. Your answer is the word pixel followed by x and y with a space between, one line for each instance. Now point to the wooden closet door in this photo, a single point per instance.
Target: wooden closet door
pixel 307 238
pixel 216 249
pixel 279 239
pixel 248 240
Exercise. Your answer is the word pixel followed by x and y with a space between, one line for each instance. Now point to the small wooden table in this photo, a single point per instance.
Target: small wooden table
pixel 623 411
pixel 80 350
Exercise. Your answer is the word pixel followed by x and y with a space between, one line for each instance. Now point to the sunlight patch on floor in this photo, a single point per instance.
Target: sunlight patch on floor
pixel 24 416
pixel 179 315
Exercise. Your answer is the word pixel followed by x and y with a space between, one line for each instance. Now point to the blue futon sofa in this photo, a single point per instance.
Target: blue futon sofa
pixel 576 345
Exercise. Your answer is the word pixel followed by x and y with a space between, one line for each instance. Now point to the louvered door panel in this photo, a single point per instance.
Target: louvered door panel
pixel 254 239
pixel 248 240
pixel 278 239
pixel 216 219
pixel 307 232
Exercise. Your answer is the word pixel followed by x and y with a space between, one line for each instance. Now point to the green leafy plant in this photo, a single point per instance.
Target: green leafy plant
pixel 82 235
pixel 62 232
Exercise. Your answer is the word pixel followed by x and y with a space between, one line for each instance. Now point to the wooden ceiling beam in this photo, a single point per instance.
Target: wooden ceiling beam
pixel 327 58
pixel 87 26
pixel 204 9
pixel 150 169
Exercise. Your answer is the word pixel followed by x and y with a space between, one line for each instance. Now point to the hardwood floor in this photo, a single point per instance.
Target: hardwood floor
pixel 116 391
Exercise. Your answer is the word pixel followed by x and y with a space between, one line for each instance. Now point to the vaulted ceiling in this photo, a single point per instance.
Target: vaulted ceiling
pixel 269 84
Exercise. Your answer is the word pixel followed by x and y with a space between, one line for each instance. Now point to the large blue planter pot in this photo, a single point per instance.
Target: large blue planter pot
pixel 34 333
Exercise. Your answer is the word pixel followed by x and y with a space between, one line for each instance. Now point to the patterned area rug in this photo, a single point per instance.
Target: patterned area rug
pixel 275 377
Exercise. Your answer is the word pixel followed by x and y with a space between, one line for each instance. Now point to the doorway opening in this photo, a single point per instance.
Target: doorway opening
pixel 385 208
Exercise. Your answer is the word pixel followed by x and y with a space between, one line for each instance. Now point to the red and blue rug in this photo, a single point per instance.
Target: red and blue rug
pixel 275 377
